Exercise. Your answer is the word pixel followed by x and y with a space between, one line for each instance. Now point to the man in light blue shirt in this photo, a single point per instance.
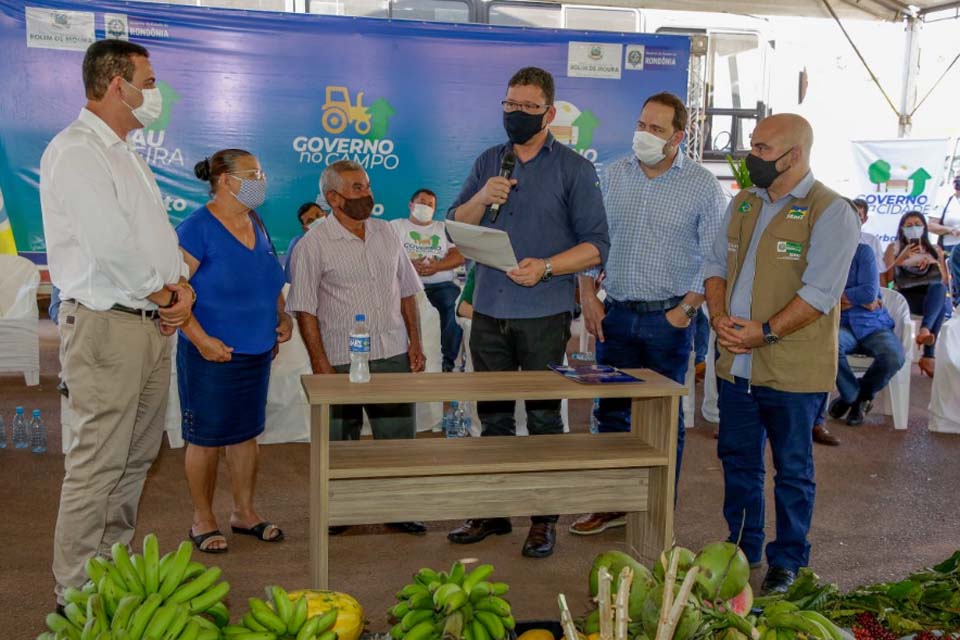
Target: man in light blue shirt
pixel 664 211
pixel 307 214
pixel 778 348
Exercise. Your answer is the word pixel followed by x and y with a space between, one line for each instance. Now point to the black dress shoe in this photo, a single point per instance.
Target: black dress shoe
pixel 478 529
pixel 778 580
pixel 838 408
pixel 541 540
pixel 413 528
pixel 858 412
pixel 337 530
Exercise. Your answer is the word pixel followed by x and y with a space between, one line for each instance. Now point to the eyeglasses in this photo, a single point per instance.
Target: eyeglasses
pixel 509 106
pixel 250 174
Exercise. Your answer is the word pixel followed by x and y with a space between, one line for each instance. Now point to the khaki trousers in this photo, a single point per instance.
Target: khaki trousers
pixel 116 366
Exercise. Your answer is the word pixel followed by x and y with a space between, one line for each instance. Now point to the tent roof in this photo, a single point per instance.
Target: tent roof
pixel 891 10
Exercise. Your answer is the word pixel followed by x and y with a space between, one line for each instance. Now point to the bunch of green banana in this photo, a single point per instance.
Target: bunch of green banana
pixel 144 596
pixel 282 619
pixel 452 606
pixel 785 621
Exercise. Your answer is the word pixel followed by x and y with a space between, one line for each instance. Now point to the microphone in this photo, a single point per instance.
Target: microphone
pixel 506 170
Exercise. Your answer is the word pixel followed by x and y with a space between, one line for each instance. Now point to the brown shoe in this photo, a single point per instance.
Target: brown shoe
pixel 478 529
pixel 541 540
pixel 822 436
pixel 594 523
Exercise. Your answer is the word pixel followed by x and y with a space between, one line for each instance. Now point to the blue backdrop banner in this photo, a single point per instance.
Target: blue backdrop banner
pixel 414 103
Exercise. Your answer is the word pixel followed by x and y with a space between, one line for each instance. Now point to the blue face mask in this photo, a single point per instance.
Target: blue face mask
pixel 252 193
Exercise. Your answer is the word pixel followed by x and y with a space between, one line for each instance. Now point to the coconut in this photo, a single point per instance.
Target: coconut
pixel 732 634
pixel 686 561
pixel 724 571
pixel 742 603
pixel 615 561
pixel 689 620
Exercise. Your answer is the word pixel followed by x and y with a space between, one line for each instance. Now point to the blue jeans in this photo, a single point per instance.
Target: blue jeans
pixel 646 340
pixel 930 301
pixel 443 296
pixel 748 416
pixel 887 354
pixel 953 264
pixel 701 336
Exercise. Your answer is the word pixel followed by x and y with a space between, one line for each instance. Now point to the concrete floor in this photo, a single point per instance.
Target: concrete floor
pixel 887 503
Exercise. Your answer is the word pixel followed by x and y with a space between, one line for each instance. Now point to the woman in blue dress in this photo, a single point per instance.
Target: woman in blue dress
pixel 225 351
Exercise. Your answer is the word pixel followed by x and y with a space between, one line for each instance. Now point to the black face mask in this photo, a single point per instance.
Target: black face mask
pixel 358 208
pixel 956 184
pixel 764 172
pixel 522 126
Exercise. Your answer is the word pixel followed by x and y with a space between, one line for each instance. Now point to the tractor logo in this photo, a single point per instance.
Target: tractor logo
pixel 339 112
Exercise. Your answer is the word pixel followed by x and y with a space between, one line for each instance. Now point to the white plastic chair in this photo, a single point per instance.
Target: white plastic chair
pixel 19 318
pixel 894 399
pixel 944 399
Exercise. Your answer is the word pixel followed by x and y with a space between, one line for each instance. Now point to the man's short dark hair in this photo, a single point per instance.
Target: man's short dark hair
pixel 667 99
pixel 104 60
pixel 423 191
pixel 536 77
pixel 306 206
pixel 860 203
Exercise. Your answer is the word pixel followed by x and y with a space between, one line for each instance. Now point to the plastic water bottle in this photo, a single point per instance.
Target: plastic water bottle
pixel 460 423
pixel 19 427
pixel 3 434
pixel 38 433
pixel 450 420
pixel 594 425
pixel 360 350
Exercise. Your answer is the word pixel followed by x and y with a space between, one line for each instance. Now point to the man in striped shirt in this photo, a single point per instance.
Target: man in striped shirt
pixel 664 211
pixel 352 265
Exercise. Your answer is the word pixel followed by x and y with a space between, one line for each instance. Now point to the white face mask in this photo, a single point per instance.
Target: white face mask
pixel 648 148
pixel 422 213
pixel 148 112
pixel 315 223
pixel 913 233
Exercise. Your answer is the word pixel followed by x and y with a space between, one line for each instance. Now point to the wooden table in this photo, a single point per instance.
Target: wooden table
pixel 367 482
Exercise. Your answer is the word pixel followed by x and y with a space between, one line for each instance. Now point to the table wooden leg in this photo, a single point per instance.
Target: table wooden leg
pixel 319 495
pixel 655 420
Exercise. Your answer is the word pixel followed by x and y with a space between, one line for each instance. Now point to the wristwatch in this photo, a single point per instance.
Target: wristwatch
pixel 769 336
pixel 688 310
pixel 547 270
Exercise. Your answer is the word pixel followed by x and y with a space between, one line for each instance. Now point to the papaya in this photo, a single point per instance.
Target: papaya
pixel 350 621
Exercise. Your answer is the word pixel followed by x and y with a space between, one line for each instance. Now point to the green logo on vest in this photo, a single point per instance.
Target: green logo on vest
pixel 745 207
pixel 797 213
pixel 791 250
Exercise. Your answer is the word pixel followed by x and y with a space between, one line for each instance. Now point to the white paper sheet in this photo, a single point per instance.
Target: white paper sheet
pixel 487 246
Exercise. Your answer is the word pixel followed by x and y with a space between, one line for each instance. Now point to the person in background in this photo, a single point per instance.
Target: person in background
pixel 918 271
pixel 224 353
pixel 947 226
pixel 465 305
pixel 865 329
pixel 553 210
pixel 53 309
pixel 863 213
pixel 114 257
pixel 774 281
pixel 307 215
pixel 349 265
pixel 664 212
pixel 434 257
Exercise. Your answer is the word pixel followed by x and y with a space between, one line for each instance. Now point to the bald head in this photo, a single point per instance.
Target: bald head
pixel 783 142
pixel 783 131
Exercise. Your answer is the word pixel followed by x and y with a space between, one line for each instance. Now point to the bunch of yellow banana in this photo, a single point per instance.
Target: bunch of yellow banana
pixel 144 596
pixel 282 619
pixel 452 606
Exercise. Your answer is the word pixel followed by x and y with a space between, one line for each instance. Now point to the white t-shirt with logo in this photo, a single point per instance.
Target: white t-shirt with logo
pixel 428 241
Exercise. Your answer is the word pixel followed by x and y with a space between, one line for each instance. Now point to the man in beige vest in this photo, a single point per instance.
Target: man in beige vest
pixel 773 285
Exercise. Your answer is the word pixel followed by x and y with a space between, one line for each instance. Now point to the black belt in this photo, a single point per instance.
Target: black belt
pixel 646 306
pixel 151 314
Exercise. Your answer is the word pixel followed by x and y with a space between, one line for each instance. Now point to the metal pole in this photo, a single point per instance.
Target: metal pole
pixel 911 67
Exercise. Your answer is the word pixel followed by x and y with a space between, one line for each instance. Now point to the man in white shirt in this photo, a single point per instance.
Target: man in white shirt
pixel 947 226
pixel 116 260
pixel 863 212
pixel 435 258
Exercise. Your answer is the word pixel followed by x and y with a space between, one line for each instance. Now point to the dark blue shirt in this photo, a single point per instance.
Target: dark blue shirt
pixel 237 288
pixel 863 287
pixel 555 206
pixel 289 254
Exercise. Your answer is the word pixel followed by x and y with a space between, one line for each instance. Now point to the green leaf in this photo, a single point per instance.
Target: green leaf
pixel 903 589
pixel 949 565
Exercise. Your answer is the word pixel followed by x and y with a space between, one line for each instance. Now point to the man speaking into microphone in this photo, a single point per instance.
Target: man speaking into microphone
pixel 551 207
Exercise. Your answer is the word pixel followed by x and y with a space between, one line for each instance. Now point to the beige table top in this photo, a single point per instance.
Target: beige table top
pixel 387 388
